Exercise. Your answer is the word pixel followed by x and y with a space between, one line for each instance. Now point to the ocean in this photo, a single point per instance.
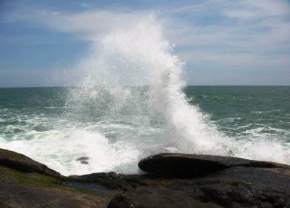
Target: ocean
pixel 114 128
pixel 103 124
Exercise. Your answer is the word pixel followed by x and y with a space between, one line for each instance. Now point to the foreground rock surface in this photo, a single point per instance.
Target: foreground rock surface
pixel 171 180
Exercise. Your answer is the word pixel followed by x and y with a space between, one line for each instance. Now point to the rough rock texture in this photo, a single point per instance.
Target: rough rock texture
pixel 238 182
pixel 157 197
pixel 25 183
pixel 173 180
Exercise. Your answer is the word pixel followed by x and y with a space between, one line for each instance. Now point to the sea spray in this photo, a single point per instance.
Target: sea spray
pixel 138 55
pixel 130 104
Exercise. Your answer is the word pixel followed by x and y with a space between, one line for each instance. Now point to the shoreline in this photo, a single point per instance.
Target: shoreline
pixel 173 180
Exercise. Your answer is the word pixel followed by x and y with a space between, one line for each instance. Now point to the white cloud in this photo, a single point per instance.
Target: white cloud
pixel 88 25
pixel 246 33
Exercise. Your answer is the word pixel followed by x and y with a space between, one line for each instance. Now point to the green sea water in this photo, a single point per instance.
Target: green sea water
pixel 49 126
pixel 246 111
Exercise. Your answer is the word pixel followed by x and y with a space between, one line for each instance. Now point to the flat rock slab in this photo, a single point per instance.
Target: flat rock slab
pixel 188 165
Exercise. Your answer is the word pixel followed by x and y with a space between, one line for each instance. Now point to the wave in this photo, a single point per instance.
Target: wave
pixel 114 125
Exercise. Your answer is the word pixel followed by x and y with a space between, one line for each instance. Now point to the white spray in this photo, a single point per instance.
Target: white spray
pixel 148 58
pixel 139 54
pixel 114 125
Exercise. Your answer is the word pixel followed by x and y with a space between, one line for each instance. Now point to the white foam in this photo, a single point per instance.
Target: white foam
pixel 60 149
pixel 161 120
pixel 141 53
pixel 263 149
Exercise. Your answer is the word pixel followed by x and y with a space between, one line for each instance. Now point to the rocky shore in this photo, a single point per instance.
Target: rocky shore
pixel 169 180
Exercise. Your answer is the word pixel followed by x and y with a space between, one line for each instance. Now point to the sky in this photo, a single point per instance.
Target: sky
pixel 221 42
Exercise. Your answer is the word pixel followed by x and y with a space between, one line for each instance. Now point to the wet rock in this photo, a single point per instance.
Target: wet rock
pixel 146 197
pixel 83 160
pixel 24 196
pixel 25 183
pixel 186 165
pixel 247 187
pixel 23 163
pixel 111 180
pixel 174 180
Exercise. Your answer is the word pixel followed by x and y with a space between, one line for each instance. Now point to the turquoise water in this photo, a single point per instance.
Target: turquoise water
pixel 49 126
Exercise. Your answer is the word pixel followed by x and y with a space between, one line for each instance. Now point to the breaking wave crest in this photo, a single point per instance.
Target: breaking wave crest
pixel 129 104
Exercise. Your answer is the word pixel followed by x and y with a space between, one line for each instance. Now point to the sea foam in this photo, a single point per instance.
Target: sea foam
pixel 114 123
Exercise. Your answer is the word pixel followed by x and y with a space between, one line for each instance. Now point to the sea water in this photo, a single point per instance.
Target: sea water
pixel 132 101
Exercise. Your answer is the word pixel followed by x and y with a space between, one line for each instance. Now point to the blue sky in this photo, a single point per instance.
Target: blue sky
pixel 222 42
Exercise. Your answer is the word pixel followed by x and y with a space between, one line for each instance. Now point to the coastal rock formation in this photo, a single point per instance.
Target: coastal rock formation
pixel 171 180
pixel 187 165
pixel 227 181
pixel 24 164
pixel 157 197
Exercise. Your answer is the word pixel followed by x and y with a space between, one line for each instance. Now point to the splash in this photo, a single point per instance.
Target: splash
pixel 130 104
pixel 140 55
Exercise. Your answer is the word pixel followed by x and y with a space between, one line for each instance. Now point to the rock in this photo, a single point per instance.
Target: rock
pixel 83 160
pixel 248 186
pixel 23 163
pixel 157 197
pixel 25 183
pixel 110 180
pixel 24 196
pixel 174 180
pixel 186 165
pixel 238 187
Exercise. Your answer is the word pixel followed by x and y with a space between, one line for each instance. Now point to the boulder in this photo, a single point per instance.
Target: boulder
pixel 188 165
pixel 83 160
pixel 23 163
pixel 25 183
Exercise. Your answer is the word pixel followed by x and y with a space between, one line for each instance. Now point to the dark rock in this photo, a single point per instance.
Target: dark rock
pixel 148 197
pixel 23 163
pixel 24 183
pixel 186 165
pixel 229 182
pixel 83 160
pixel 248 186
pixel 175 180
pixel 262 178
pixel 238 187
pixel 110 180
pixel 19 196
